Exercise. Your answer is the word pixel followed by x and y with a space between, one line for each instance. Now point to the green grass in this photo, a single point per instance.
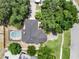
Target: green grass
pixel 66 53
pixel 55 46
pixel 66 49
pixel 67 38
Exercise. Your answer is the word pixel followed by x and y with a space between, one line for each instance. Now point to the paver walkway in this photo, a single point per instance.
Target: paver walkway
pixel 74 52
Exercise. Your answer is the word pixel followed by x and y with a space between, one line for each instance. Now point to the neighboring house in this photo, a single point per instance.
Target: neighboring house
pixel 76 3
pixel 31 33
pixel 38 1
pixel 8 55
pixel 24 56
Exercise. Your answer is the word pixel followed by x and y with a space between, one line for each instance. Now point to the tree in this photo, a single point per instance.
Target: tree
pixel 38 15
pixel 31 50
pixel 15 11
pixel 45 53
pixel 15 48
pixel 58 29
pixel 57 15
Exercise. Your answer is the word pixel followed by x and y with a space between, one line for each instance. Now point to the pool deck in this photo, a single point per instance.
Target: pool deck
pixel 8 41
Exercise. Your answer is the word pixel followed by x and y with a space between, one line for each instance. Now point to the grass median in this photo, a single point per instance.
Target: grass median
pixel 66 46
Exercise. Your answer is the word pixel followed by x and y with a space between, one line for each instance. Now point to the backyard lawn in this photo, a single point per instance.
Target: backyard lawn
pixel 66 46
pixel 55 46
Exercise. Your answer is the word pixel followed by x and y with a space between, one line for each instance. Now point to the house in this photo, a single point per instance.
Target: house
pixel 32 34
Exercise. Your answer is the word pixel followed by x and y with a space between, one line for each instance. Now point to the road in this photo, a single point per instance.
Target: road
pixel 74 53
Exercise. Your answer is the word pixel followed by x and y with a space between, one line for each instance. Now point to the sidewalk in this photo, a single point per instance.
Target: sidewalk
pixel 74 52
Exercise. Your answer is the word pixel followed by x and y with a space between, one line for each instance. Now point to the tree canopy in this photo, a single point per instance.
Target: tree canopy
pixel 15 11
pixel 45 53
pixel 57 15
pixel 15 48
pixel 31 50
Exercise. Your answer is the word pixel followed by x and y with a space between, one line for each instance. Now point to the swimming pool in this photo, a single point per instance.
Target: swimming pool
pixel 15 35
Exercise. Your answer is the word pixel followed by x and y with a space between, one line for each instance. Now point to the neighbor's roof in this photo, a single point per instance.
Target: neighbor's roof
pixel 10 56
pixel 77 1
pixel 25 56
pixel 31 34
pixel 19 56
pixel 37 0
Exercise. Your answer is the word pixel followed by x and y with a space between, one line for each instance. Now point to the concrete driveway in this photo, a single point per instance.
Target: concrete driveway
pixel 33 9
pixel 74 53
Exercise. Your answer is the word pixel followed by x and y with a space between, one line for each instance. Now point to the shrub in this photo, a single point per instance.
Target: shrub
pixel 31 50
pixel 15 48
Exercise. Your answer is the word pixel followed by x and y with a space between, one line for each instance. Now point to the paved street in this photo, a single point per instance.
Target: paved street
pixel 74 53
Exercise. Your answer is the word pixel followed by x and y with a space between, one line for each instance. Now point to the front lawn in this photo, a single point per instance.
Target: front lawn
pixel 55 46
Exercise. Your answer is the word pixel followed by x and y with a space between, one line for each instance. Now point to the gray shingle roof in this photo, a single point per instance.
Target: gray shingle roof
pixel 25 56
pixel 32 34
